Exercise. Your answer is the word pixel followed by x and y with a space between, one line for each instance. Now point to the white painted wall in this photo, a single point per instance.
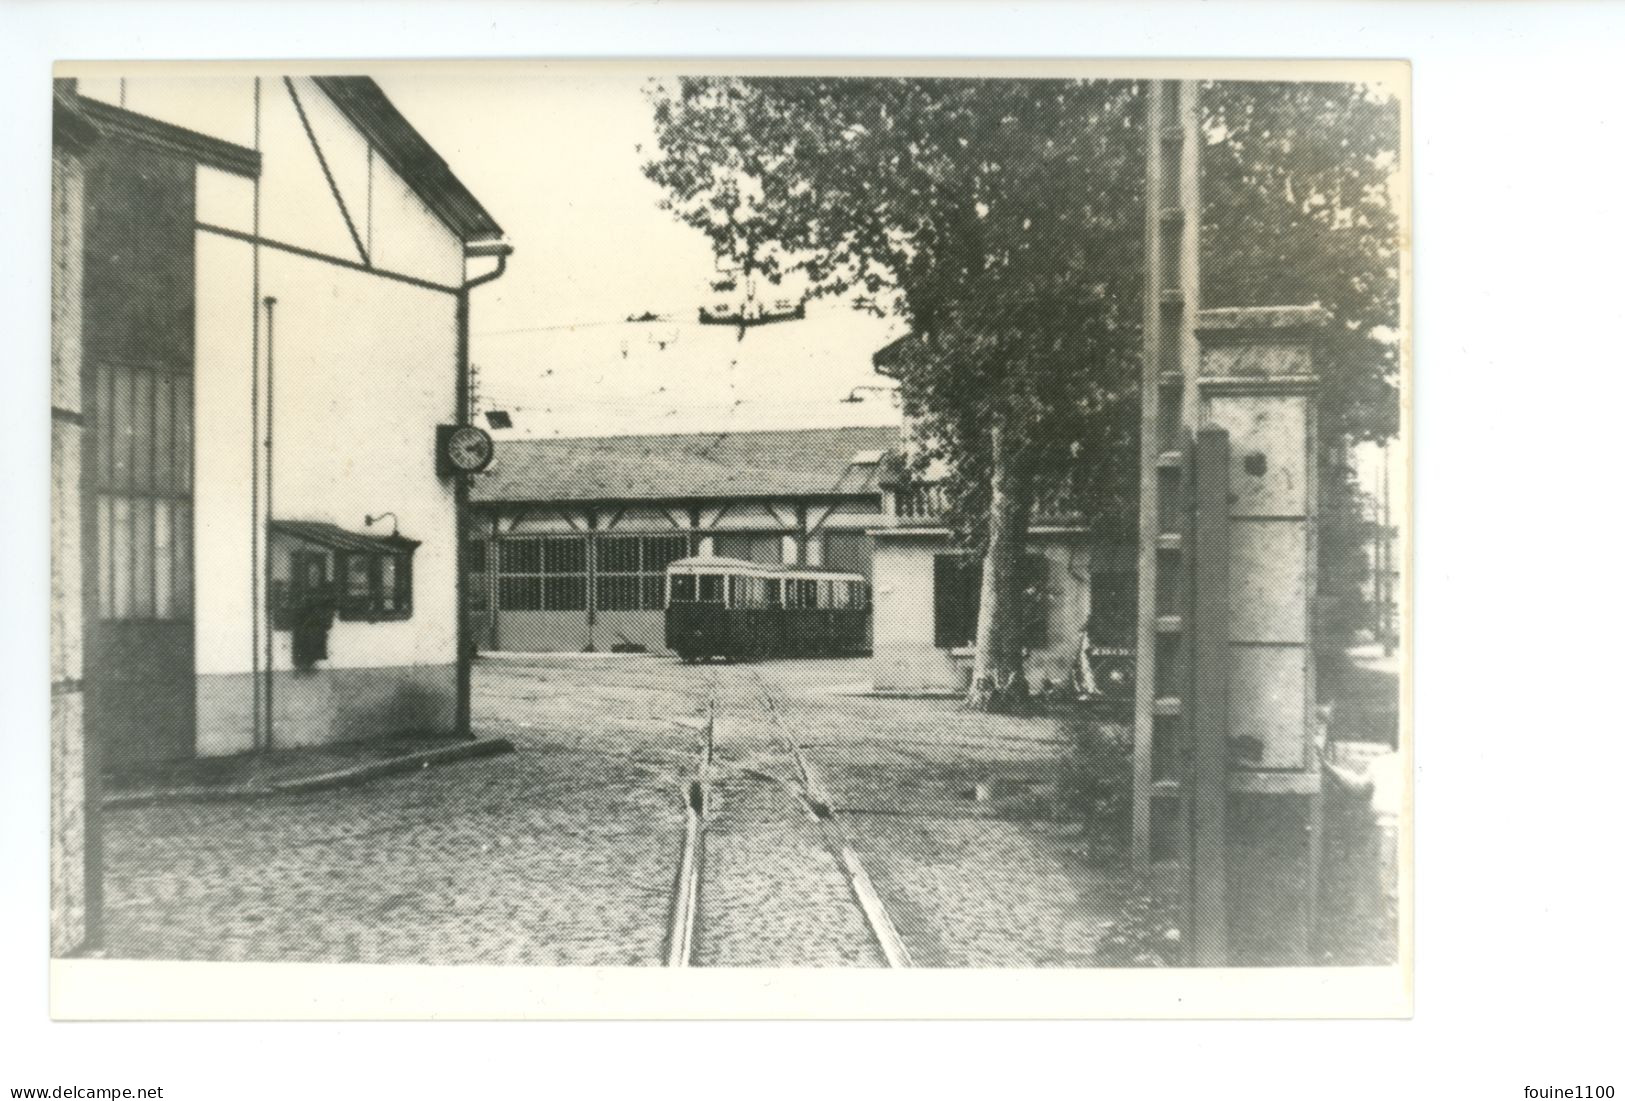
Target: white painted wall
pixel 906 656
pixel 365 369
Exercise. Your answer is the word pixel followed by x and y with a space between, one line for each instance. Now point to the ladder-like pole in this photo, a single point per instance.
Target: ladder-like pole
pixel 1169 361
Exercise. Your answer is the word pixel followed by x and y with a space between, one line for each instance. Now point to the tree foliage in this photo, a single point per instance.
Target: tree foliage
pixel 1002 222
pixel 999 220
pixel 1295 187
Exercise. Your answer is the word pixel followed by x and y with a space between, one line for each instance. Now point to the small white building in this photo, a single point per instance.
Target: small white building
pixel 927 592
pixel 276 278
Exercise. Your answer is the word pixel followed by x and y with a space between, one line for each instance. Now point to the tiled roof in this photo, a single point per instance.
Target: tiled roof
pixel 710 465
pixel 413 158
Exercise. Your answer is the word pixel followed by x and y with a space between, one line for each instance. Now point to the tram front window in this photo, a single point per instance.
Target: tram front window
pixel 682 588
pixel 710 588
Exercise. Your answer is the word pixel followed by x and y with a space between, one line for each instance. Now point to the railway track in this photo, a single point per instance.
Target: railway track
pixel 754 753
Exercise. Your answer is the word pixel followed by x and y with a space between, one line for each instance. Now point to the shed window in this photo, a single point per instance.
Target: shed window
pixel 140 425
pixel 537 574
pixel 631 570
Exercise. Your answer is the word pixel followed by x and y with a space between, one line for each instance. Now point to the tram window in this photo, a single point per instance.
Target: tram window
pixel 682 588
pixel 710 588
pixel 843 594
pixel 826 590
pixel 774 589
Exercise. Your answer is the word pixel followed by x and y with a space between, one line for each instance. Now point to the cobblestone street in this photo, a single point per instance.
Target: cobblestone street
pixel 565 852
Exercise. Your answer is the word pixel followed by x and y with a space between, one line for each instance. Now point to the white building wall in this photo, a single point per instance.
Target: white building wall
pixel 906 657
pixel 365 369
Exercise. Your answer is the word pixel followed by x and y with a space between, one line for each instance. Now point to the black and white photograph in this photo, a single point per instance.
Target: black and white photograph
pixel 815 549
pixel 603 516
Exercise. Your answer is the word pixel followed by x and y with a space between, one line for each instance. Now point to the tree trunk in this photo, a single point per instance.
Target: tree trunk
pixel 998 681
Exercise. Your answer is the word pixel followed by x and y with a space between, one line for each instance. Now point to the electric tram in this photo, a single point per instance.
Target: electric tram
pixel 733 610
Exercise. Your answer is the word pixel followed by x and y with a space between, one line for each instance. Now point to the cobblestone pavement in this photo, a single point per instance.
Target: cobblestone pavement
pixel 561 853
pixel 965 885
pixel 565 852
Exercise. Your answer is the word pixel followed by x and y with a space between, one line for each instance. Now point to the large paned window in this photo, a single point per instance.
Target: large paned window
pixel 143 452
pixel 631 571
pixel 542 574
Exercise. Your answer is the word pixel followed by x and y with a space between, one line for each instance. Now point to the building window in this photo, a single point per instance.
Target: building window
pixel 142 443
pixel 957 592
pixel 564 556
pixel 519 594
pixel 376 585
pixel 542 574
pixel 957 599
pixel 631 570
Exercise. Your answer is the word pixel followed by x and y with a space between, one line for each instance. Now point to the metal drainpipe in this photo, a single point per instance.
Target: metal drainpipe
pixel 465 660
pixel 270 515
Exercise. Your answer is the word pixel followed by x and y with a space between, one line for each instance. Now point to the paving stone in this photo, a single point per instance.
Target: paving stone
pixel 565 852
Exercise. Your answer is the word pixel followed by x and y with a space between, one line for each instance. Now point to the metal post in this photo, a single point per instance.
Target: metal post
pixel 463 715
pixel 270 513
pixel 255 531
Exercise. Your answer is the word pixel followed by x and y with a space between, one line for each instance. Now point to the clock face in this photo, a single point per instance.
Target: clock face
pixel 469 449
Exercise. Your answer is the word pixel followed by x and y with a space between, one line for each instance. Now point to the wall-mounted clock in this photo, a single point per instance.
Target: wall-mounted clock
pixel 463 449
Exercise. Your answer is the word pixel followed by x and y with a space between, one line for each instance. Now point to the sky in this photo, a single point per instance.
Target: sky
pixel 555 158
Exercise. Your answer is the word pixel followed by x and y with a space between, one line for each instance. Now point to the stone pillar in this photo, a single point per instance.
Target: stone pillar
pixel 1257 383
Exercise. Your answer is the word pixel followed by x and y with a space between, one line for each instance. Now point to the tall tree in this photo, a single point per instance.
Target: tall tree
pixel 1001 221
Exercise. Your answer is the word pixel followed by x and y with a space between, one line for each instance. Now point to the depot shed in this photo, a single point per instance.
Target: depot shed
pixel 571 537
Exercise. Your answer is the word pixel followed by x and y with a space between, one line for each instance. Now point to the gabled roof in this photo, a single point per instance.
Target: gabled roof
pixel 336 538
pixel 413 159
pixel 692 466
pixel 116 122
